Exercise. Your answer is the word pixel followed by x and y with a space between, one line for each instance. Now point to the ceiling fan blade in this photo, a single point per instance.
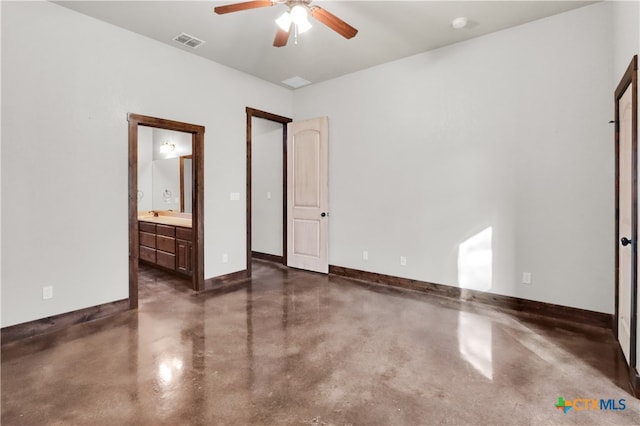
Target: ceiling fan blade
pixel 237 7
pixel 333 22
pixel 282 37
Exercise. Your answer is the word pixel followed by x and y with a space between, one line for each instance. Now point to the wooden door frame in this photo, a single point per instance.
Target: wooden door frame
pixel 251 113
pixel 197 151
pixel 630 78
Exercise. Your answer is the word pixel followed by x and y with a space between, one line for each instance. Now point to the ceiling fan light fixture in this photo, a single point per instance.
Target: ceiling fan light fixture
pixel 303 25
pixel 298 13
pixel 298 16
pixel 284 21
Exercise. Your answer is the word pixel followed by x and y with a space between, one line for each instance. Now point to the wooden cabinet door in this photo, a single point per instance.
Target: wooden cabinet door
pixel 183 256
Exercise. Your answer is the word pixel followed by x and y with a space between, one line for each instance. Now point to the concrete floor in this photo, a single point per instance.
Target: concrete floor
pixel 292 347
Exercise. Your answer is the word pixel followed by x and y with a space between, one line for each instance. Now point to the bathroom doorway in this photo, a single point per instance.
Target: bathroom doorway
pixel 266 138
pixel 191 247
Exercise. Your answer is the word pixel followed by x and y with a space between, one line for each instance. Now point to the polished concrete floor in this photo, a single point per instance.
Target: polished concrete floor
pixel 291 347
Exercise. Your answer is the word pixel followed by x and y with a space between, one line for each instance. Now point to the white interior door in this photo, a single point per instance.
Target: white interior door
pixel 625 260
pixel 308 195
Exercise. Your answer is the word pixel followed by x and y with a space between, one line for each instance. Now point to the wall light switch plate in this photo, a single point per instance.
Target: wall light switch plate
pixel 365 255
pixel 234 196
pixel 47 292
pixel 225 258
pixel 268 195
pixel 526 278
pixel 403 261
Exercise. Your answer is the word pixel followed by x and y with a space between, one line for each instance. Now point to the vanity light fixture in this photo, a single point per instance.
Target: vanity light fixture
pixel 167 147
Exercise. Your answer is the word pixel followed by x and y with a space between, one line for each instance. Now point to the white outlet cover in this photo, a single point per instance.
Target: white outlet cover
pixel 47 292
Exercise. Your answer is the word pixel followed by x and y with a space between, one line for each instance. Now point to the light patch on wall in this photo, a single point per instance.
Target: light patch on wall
pixel 475 261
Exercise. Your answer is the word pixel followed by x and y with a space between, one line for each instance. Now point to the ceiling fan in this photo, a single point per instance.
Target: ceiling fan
pixel 295 19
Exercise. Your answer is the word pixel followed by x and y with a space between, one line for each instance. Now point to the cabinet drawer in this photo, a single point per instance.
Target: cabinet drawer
pixel 147 227
pixel 184 234
pixel 147 254
pixel 167 244
pixel 147 239
pixel 168 230
pixel 167 260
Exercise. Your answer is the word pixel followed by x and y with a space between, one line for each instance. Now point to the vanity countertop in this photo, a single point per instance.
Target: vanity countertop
pixel 167 220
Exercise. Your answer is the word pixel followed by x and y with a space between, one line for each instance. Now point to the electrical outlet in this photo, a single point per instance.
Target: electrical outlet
pixel 526 278
pixel 403 261
pixel 47 292
pixel 365 255
pixel 225 258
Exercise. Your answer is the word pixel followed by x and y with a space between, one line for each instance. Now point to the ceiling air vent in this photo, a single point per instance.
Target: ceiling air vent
pixel 296 82
pixel 188 40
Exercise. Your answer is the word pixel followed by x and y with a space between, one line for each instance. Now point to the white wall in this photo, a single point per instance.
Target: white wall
pixel 507 132
pixel 1 261
pixel 65 101
pixel 626 35
pixel 266 187
pixel 501 143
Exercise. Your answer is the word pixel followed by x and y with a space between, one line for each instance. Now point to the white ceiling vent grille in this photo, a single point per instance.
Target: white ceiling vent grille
pixel 188 40
pixel 296 82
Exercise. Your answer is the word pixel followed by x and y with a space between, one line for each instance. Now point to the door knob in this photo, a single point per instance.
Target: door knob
pixel 323 214
pixel 625 241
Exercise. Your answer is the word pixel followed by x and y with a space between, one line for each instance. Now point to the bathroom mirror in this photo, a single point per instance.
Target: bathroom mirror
pixel 164 180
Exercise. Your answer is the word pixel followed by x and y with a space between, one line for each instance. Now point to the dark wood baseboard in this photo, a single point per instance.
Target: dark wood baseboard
pixel 505 302
pixel 173 272
pixel 58 322
pixel 227 282
pixel 267 256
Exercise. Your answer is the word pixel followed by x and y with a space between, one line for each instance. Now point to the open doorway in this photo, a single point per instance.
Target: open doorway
pixel 264 129
pixel 180 245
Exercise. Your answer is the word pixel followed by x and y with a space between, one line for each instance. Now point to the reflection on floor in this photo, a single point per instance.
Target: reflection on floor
pixel 293 347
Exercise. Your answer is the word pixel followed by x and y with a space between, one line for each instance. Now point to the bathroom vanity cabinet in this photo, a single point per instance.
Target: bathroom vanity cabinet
pixel 167 246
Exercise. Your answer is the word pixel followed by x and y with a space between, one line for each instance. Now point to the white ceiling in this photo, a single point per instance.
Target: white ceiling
pixel 388 30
